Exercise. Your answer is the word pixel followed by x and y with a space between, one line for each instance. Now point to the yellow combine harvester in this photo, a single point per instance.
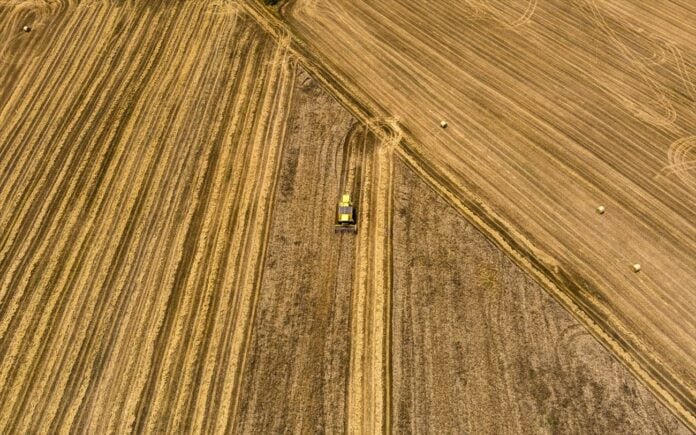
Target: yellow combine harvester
pixel 345 215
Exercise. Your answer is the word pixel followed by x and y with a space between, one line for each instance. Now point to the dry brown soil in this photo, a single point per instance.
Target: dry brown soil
pixel 296 373
pixel 479 347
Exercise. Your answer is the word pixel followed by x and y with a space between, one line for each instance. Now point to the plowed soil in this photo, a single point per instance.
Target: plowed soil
pixel 296 373
pixel 479 347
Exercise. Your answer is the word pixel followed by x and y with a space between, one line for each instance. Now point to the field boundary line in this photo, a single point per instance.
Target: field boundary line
pixel 668 391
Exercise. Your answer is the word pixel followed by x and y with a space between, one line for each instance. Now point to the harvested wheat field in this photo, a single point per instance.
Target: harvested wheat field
pixel 554 108
pixel 169 173
pixel 297 364
pixel 139 170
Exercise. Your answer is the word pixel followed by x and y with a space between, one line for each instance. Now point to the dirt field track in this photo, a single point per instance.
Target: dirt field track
pixel 168 177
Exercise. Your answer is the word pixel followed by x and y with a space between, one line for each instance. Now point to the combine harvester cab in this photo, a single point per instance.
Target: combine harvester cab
pixel 345 215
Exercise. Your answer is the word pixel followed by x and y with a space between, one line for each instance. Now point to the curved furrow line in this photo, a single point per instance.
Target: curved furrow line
pixel 16 14
pixel 684 73
pixel 666 114
pixel 682 160
pixel 521 20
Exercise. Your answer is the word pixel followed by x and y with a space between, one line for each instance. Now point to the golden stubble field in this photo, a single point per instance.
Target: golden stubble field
pixel 140 154
pixel 168 177
pixel 554 108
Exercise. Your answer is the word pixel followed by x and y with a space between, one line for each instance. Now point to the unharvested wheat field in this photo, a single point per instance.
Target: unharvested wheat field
pixel 169 173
